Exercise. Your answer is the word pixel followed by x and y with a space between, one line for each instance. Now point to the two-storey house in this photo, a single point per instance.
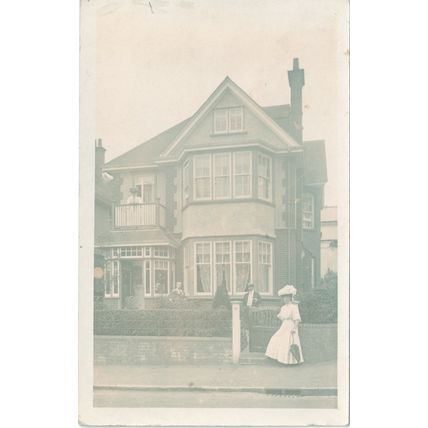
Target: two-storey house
pixel 229 196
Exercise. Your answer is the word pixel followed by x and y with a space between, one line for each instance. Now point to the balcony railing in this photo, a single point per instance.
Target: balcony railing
pixel 138 215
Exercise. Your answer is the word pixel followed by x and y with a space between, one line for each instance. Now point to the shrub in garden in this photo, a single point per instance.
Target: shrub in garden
pixel 163 322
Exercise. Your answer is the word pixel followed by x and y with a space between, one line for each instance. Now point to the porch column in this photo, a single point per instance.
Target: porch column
pixel 236 333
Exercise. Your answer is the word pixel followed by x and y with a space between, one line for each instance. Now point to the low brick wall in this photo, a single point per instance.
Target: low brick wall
pixel 319 342
pixel 161 350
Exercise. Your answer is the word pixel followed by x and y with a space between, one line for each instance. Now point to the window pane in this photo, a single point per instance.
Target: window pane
pixel 161 277
pixel 147 277
pixel 223 267
pixel 203 267
pixel 242 265
pixel 222 187
pixel 265 266
pixel 242 185
pixel 202 188
pixel 203 278
pixel 243 276
pixel 235 119
pixel 202 166
pixel 264 278
pixel 220 120
pixel 242 163
pixel 308 212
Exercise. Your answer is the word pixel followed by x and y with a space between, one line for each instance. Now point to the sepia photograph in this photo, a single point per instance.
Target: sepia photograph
pixel 214 260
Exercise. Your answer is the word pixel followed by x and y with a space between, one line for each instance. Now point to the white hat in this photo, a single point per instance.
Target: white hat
pixel 288 289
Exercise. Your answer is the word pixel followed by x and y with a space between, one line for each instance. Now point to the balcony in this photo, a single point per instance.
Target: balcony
pixel 138 215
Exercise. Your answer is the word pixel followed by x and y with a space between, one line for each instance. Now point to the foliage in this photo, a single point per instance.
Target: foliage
pixel 319 306
pixel 221 298
pixel 329 280
pixel 163 322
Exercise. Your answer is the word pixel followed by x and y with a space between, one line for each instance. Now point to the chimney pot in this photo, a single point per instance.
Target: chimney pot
pixel 295 63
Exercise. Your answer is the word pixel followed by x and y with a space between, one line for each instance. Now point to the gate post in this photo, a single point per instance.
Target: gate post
pixel 236 333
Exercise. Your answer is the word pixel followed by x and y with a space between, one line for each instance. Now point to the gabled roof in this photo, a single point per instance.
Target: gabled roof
pixel 315 163
pixel 147 153
pixel 247 101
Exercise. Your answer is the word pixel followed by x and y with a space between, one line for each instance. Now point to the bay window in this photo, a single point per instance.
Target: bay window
pixel 242 253
pixel 202 174
pixel 242 174
pixel 203 267
pixel 265 267
pixel 223 258
pixel 222 169
pixel 112 279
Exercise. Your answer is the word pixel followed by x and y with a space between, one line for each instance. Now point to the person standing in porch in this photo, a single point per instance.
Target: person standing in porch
pixel 251 298
pixel 284 346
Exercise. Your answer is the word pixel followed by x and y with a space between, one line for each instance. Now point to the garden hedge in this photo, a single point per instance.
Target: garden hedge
pixel 163 322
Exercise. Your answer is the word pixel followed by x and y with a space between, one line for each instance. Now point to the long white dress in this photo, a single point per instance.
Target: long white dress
pixel 279 344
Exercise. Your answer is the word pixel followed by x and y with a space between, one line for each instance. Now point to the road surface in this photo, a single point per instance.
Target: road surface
pixel 135 398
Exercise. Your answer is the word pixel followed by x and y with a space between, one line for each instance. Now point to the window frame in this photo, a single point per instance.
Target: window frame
pixel 311 212
pixel 241 110
pixel 109 279
pixel 147 263
pixel 227 111
pixel 216 111
pixel 250 174
pixel 209 177
pixel 141 181
pixel 153 275
pixel 234 282
pixel 269 245
pixel 214 176
pixel 230 264
pixel 195 269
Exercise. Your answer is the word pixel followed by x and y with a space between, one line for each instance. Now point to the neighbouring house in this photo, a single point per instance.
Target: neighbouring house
pixel 231 195
pixel 328 240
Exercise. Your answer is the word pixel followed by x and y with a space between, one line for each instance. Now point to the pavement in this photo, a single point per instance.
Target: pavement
pixel 306 379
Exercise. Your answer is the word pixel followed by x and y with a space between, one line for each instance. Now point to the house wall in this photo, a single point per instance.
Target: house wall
pixel 131 350
pixel 102 221
pixel 225 219
pixel 311 239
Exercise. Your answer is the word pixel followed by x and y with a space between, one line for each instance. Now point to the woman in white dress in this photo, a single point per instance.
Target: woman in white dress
pixel 279 347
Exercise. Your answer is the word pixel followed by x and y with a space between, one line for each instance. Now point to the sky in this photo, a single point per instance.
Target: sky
pixel 157 63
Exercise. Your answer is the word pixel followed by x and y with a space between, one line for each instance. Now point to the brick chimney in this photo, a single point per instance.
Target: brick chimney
pixel 99 158
pixel 296 80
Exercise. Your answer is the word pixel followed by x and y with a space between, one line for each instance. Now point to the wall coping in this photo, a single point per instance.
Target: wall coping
pixel 168 338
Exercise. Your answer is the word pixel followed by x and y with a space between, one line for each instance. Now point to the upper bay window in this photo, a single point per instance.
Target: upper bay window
pixel 221 175
pixel 222 171
pixel 308 212
pixel 202 174
pixel 228 120
pixel 242 174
